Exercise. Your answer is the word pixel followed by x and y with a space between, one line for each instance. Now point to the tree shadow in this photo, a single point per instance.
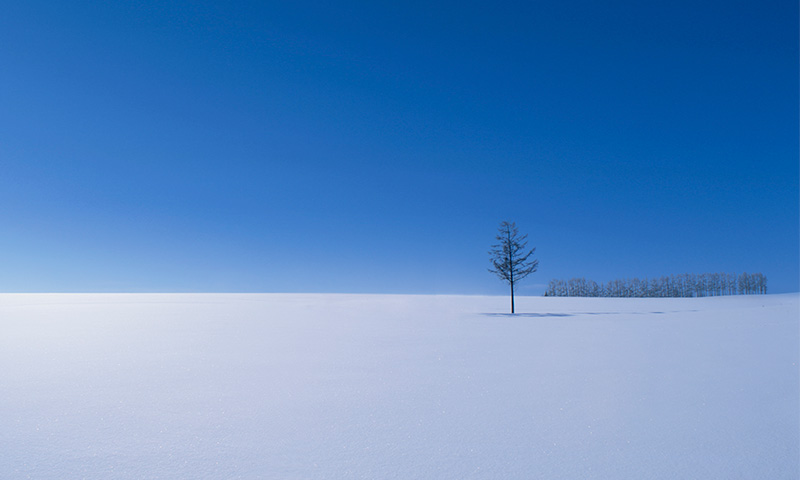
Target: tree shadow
pixel 542 315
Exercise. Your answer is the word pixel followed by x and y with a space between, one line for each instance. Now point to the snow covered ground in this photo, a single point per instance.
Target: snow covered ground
pixel 230 386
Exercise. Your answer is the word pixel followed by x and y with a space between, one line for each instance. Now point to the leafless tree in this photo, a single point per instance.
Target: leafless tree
pixel 683 285
pixel 511 260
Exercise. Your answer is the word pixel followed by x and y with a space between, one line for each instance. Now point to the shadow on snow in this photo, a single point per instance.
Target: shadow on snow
pixel 540 315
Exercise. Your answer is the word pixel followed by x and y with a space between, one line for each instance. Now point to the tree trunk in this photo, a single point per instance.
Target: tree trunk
pixel 512 297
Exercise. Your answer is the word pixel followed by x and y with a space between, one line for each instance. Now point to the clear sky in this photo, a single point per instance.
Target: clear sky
pixel 375 146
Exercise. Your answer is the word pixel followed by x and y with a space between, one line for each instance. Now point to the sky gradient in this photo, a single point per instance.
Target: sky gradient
pixel 369 147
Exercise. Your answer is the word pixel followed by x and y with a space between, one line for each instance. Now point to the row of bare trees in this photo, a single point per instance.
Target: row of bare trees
pixel 685 285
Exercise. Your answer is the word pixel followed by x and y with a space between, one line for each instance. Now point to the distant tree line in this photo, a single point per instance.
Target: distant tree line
pixel 685 285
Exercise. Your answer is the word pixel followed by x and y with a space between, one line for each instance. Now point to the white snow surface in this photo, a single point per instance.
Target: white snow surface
pixel 227 386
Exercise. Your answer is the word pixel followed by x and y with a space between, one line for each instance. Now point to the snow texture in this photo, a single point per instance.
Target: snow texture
pixel 213 386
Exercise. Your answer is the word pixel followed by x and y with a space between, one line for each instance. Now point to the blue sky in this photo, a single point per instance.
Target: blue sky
pixel 375 147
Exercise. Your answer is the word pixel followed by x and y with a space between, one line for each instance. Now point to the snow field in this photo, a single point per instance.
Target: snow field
pixel 392 386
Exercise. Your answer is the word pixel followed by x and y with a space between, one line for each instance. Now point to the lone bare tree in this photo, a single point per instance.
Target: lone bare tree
pixel 510 257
